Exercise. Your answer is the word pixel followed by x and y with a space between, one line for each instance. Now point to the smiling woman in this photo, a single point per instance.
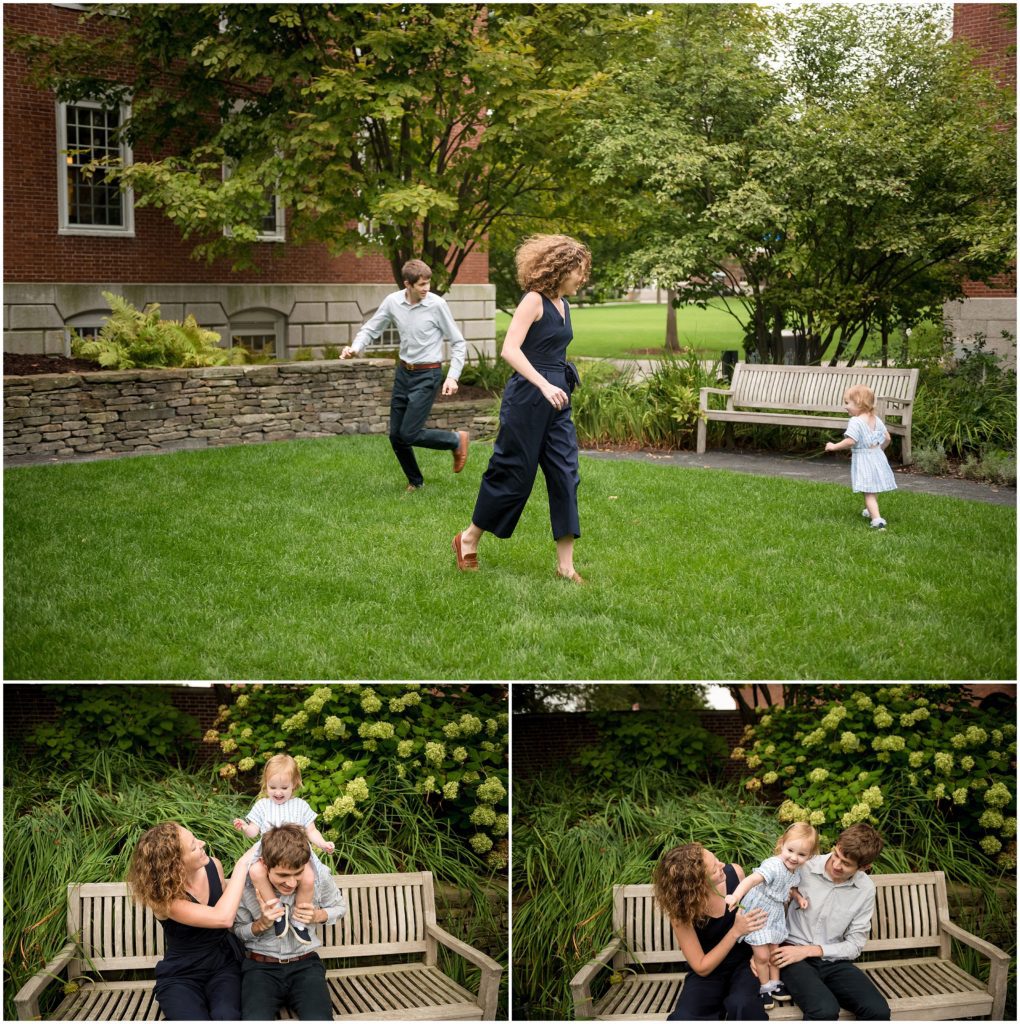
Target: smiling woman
pixel 200 976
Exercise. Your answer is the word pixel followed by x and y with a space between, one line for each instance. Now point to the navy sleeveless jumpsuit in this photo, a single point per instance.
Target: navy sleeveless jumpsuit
pixel 531 434
pixel 199 977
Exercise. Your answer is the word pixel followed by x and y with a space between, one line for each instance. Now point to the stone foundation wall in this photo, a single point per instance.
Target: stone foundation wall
pixel 66 416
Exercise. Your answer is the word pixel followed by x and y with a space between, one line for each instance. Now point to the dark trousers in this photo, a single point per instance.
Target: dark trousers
pixel 301 986
pixel 820 987
pixel 728 993
pixel 215 997
pixel 531 434
pixel 410 405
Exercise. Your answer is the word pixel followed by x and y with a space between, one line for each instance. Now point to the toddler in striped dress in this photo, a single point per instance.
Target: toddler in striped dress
pixel 868 438
pixel 278 806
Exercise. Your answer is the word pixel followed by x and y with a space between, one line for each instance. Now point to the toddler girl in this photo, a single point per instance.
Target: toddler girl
pixel 866 434
pixel 769 887
pixel 278 806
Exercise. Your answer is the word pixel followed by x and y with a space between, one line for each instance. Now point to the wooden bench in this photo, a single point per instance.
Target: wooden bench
pixel 911 914
pixel 388 916
pixel 795 396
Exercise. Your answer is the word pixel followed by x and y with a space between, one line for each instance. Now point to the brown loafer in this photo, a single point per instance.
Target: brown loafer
pixel 573 577
pixel 466 563
pixel 460 455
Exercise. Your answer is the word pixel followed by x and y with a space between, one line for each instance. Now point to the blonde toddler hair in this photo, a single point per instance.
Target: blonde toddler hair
pixel 862 395
pixel 280 764
pixel 798 830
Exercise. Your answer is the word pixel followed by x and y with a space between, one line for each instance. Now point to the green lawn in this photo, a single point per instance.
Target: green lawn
pixel 305 560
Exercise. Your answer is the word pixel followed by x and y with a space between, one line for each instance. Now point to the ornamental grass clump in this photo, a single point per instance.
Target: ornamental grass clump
pixel 443 749
pixel 896 757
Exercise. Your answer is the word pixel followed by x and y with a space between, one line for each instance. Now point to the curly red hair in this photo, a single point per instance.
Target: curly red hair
pixel 156 876
pixel 543 261
pixel 681 884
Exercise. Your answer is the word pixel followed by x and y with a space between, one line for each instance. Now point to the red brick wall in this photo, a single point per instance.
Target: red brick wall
pixel 35 252
pixel 991 28
pixel 545 741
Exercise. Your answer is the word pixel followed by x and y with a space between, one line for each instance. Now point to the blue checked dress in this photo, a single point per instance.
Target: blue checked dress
pixel 870 472
pixel 770 896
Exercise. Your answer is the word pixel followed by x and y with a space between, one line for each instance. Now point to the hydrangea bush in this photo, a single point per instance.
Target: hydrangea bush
pixel 882 754
pixel 352 742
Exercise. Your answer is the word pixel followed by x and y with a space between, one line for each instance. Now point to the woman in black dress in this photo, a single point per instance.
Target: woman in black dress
pixel 535 428
pixel 690 883
pixel 199 977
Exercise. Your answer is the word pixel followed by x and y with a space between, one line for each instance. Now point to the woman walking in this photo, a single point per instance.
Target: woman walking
pixel 199 977
pixel 535 427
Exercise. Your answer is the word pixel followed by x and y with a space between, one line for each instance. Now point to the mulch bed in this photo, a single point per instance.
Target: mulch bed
pixel 20 365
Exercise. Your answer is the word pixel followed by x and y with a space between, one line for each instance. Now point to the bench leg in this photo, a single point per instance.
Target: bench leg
pixel 702 435
pixel 905 450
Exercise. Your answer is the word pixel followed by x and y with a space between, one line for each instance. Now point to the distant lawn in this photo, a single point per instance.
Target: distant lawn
pixel 305 560
pixel 614 331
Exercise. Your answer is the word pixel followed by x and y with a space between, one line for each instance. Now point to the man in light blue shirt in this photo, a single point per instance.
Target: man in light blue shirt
pixel 423 320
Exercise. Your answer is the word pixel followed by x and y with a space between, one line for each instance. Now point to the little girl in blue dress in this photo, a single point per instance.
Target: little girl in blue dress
pixel 769 887
pixel 870 472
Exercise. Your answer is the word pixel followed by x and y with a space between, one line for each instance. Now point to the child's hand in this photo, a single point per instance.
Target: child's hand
pixel 329 847
pixel 802 901
pixel 239 824
pixel 830 446
pixel 730 901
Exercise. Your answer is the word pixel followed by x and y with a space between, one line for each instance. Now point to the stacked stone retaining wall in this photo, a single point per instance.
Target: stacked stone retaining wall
pixel 67 416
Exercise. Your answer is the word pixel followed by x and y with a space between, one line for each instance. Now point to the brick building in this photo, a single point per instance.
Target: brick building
pixel 67 239
pixel 988 309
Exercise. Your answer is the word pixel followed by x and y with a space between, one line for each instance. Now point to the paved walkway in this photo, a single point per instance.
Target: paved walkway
pixel 829 469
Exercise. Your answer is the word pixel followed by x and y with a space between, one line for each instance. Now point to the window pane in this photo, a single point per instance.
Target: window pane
pixel 90 136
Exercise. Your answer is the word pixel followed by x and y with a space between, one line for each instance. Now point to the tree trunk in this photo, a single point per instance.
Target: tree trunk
pixel 672 338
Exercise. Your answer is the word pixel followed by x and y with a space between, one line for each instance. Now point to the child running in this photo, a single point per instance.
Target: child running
pixel 278 806
pixel 769 887
pixel 866 434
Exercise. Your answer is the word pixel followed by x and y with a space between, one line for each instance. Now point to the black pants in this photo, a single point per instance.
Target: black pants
pixel 728 993
pixel 410 406
pixel 820 987
pixel 214 997
pixel 531 434
pixel 301 986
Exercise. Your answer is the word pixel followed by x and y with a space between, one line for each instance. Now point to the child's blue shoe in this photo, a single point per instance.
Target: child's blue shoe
pixel 300 932
pixel 280 924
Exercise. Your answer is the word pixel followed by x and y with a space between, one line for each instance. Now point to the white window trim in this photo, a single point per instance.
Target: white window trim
pixel 280 232
pixel 261 321
pixel 125 230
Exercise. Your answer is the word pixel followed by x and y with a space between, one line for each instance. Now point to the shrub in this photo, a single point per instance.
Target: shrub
pixel 672 743
pixel 894 756
pixel 130 339
pixel 447 743
pixel 135 719
pixel 483 372
pixel 967 406
pixel 330 351
pixel 995 466
pixel 931 460
pixel 303 355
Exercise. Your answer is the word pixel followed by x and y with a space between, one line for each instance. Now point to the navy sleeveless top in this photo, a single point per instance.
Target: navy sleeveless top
pixel 191 950
pixel 545 344
pixel 714 929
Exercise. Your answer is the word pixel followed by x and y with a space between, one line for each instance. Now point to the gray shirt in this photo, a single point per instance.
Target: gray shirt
pixel 422 327
pixel 838 917
pixel 327 896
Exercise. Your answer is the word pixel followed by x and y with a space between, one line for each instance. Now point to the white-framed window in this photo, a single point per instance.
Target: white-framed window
pixel 91 204
pixel 389 339
pixel 260 331
pixel 86 325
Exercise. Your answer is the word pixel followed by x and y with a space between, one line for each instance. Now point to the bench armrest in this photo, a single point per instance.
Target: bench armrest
pixel 998 970
pixel 580 984
pixel 27 999
pixel 705 392
pixel 488 984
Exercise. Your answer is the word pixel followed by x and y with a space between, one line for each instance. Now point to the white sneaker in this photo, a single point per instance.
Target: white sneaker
pixel 865 514
pixel 878 524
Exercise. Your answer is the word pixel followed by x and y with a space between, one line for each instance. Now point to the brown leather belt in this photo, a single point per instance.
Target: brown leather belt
pixel 273 960
pixel 415 367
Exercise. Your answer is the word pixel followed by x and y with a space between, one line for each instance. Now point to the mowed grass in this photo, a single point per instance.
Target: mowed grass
pixel 306 560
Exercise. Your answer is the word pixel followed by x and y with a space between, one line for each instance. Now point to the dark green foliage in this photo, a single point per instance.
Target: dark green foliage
pixel 483 372
pixel 132 719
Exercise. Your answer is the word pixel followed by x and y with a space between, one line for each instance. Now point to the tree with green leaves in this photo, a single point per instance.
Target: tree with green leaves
pixel 859 174
pixel 406 129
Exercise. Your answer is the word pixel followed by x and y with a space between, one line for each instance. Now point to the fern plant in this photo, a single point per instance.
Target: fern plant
pixel 133 338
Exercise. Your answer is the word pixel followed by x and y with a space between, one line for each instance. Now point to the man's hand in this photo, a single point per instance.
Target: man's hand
pixel 449 386
pixel 347 352
pixel 272 911
pixel 786 955
pixel 304 913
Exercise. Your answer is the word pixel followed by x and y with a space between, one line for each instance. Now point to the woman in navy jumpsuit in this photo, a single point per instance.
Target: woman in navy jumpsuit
pixel 199 977
pixel 535 427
